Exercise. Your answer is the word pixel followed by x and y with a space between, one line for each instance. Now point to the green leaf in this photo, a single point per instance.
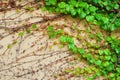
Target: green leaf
pixel 105 64
pixel 73 2
pixel 83 5
pixel 15 41
pixel 82 71
pixel 58 32
pixel 116 6
pixel 88 56
pixel 82 15
pixel 63 39
pixel 117 50
pixel 92 61
pixel 108 8
pixel 92 36
pixel 51 35
pixel 62 5
pixel 105 20
pixel 70 40
pixel 100 52
pixel 71 46
pixel 107 52
pixel 50 29
pixel 9 46
pixel 20 34
pixel 114 58
pixel 110 67
pixel 99 36
pixel 73 12
pixel 118 70
pixel 74 50
pixel 34 26
pixel 81 51
pixel 112 27
pixel 92 9
pixel 90 18
pixel 107 57
pixel 88 70
pixel 98 62
pixel 51 2
pixel 112 75
pixel 28 30
pixel 98 16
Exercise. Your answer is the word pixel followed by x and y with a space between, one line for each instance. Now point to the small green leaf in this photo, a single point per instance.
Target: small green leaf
pixel 105 20
pixel 82 15
pixel 98 62
pixel 50 29
pixel 99 36
pixel 62 5
pixel 105 64
pixel 34 26
pixel 57 32
pixel 112 75
pixel 83 5
pixel 15 41
pixel 112 27
pixel 70 40
pixel 114 58
pixel 92 36
pixel 51 35
pixel 28 30
pixel 92 9
pixel 116 6
pixel 51 2
pixel 63 39
pixel 107 52
pixel 117 50
pixel 9 46
pixel 118 70
pixel 92 61
pixel 71 46
pixel 82 71
pixel 110 68
pixel 73 12
pixel 107 57
pixel 20 34
pixel 81 51
pixel 98 16
pixel 101 52
pixel 90 18
pixel 88 70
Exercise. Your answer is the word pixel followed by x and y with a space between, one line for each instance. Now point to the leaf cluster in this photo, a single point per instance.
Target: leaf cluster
pixel 106 60
pixel 85 10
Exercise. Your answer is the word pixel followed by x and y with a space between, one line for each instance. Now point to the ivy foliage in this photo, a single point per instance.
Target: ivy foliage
pixel 105 60
pixel 102 13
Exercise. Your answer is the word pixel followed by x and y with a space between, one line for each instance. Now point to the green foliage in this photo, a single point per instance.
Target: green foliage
pixel 20 34
pixel 106 5
pixel 100 13
pixel 15 41
pixel 51 2
pixel 105 60
pixel 53 33
pixel 97 12
pixel 34 26
pixel 9 46
pixel 28 30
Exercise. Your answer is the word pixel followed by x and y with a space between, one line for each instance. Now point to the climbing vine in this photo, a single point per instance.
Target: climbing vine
pixel 97 12
pixel 105 60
